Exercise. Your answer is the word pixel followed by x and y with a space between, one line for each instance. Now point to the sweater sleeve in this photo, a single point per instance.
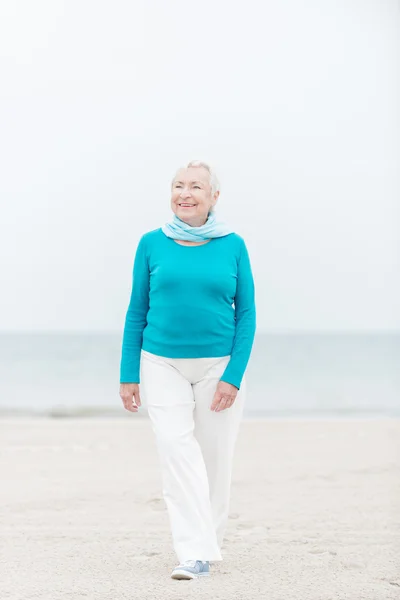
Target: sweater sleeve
pixel 245 316
pixel 136 316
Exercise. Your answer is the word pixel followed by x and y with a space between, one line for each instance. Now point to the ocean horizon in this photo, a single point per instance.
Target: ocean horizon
pixel 296 375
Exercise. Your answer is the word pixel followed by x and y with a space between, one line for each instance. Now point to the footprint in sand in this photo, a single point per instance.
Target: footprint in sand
pixel 320 551
pixel 156 504
pixel 145 555
pixel 353 565
pixel 245 525
pixel 248 528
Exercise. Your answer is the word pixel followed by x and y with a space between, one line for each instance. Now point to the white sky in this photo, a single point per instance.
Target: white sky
pixel 295 103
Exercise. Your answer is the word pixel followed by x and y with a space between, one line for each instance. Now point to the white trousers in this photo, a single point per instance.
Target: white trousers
pixel 195 446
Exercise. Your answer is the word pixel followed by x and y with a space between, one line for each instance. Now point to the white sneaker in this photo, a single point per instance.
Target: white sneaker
pixel 191 569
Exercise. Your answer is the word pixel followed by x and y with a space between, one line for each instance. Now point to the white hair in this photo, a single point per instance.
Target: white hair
pixel 213 180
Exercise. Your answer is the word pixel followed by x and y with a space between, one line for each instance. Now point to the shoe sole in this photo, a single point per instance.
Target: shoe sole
pixel 186 575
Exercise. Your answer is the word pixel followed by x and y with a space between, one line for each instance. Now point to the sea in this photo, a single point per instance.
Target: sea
pixel 308 375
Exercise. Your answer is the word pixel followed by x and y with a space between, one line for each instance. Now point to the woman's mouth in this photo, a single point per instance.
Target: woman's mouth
pixel 185 205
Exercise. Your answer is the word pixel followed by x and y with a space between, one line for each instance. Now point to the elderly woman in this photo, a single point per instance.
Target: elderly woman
pixel 188 336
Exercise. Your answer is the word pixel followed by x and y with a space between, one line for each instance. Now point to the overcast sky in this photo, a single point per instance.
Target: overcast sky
pixel 296 104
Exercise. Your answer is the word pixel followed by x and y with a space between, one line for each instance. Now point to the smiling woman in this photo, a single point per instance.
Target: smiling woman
pixel 195 192
pixel 188 337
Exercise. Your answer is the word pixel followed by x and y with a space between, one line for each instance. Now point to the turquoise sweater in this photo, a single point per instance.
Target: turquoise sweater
pixel 181 304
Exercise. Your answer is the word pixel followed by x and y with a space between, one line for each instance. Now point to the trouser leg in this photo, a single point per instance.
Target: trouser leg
pixel 170 403
pixel 217 433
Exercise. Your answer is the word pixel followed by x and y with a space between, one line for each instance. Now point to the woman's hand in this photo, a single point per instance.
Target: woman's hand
pixel 224 396
pixel 130 395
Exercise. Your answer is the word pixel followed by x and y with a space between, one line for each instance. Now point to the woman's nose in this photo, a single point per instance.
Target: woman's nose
pixel 185 194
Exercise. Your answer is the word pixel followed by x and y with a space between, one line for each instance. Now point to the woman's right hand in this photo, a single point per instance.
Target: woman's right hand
pixel 130 395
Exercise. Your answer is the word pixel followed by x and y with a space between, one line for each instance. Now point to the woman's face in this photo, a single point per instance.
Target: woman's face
pixel 191 198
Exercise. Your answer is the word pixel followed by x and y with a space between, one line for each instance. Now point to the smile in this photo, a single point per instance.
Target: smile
pixel 185 205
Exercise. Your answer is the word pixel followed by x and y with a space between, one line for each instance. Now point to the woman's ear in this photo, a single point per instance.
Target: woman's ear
pixel 215 199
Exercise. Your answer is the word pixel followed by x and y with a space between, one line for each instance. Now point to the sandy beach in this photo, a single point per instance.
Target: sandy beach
pixel 315 512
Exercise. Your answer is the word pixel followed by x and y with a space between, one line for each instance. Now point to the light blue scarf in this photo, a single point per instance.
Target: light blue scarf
pixel 179 230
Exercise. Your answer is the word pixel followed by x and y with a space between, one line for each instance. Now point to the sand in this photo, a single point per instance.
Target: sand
pixel 315 512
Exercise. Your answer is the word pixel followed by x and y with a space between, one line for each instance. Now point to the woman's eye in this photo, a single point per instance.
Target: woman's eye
pixel 197 186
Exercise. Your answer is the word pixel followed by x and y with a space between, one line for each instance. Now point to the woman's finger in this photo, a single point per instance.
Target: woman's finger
pixel 216 401
pixel 222 404
pixel 229 401
pixel 129 403
pixel 133 407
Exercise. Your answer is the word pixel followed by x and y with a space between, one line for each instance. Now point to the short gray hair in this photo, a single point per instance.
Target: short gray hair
pixel 214 183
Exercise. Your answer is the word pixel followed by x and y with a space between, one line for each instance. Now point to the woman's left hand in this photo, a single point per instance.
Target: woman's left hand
pixel 224 396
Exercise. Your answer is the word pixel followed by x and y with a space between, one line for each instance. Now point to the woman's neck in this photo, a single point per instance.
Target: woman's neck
pixel 195 222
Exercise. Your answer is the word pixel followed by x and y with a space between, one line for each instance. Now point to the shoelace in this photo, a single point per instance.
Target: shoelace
pixel 189 563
